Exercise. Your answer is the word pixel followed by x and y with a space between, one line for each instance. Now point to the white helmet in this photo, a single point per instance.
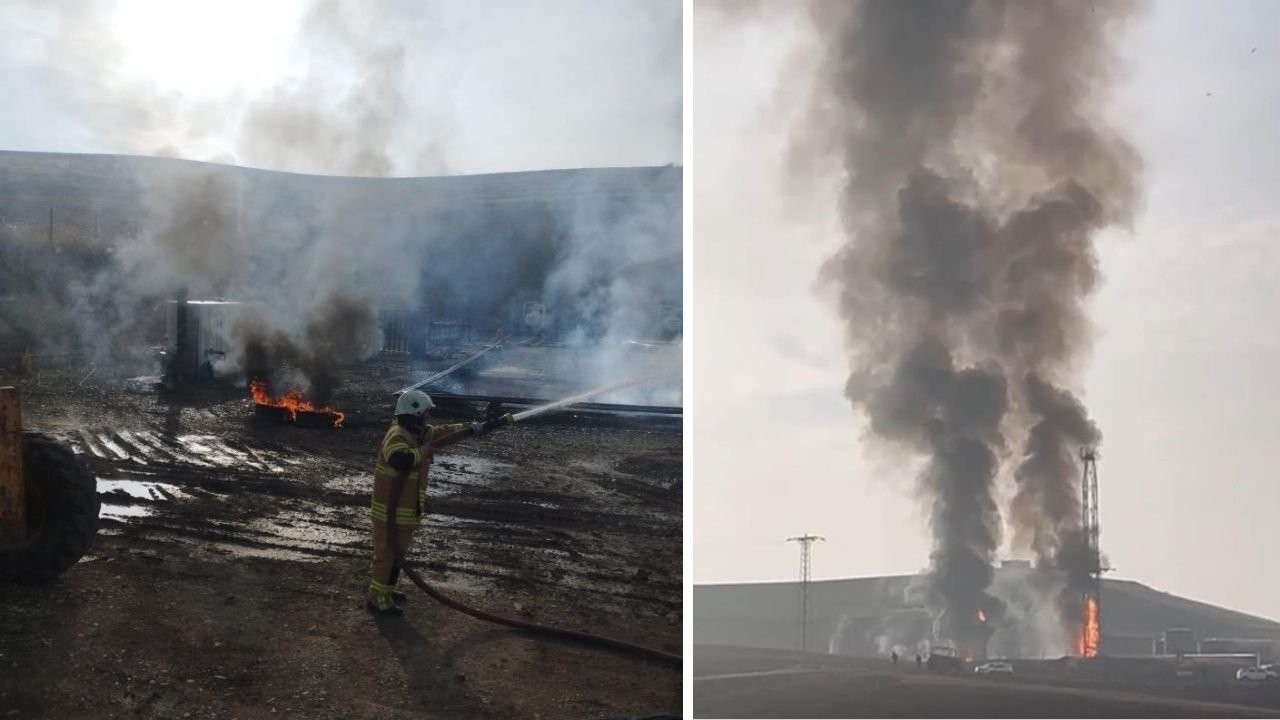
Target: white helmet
pixel 414 402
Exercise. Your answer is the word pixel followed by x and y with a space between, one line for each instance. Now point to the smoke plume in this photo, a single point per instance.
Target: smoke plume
pixel 358 123
pixel 978 173
pixel 366 91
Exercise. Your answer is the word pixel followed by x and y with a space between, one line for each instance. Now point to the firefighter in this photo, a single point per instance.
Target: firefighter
pixel 893 658
pixel 406 449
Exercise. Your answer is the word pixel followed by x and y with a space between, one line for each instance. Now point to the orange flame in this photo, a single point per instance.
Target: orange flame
pixel 1091 635
pixel 291 402
pixel 982 617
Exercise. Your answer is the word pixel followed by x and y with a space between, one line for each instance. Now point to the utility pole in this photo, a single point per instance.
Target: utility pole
pixel 805 542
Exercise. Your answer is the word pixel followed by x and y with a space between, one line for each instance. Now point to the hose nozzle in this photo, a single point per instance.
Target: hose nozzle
pixel 498 422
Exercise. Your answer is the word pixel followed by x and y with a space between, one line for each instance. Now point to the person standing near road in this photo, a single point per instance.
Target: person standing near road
pixel 407 449
pixel 893 658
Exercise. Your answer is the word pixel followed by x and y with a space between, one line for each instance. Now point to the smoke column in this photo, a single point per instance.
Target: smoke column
pixel 977 174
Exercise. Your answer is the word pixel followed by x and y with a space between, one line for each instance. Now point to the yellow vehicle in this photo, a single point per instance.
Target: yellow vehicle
pixel 48 500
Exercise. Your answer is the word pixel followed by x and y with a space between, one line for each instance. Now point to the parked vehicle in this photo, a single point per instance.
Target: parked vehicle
pixel 989 668
pixel 944 660
pixel 1255 674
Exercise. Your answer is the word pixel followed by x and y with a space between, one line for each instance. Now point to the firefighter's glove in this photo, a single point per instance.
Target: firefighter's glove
pixel 401 461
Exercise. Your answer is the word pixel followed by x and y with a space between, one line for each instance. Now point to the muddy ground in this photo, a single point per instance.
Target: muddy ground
pixel 229 576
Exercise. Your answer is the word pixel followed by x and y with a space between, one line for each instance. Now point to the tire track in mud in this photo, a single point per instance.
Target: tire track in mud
pixel 246 498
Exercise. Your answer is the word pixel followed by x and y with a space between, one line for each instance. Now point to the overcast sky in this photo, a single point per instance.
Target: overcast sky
pixel 452 86
pixel 1189 475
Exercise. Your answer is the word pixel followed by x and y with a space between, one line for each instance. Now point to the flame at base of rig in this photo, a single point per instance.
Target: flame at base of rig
pixel 1091 631
pixel 292 403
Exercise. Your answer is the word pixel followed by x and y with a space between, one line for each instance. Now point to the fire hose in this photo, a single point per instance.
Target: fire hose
pixel 535 628
pixel 550 630
pixel 447 371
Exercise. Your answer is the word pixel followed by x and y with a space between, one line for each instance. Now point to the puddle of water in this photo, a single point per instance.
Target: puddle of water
pixel 438 520
pixel 447 475
pixel 107 442
pixel 143 452
pixel 142 489
pixel 471 471
pixel 457 582
pixel 351 483
pixel 295 530
pixel 280 553
pixel 260 459
pixel 91 446
pixel 208 447
pixel 122 512
pixel 158 444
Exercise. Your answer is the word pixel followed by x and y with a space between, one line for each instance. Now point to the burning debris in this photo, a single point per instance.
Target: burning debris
pixel 291 404
pixel 343 330
pixel 978 174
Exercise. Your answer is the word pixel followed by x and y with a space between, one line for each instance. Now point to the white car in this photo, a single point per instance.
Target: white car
pixel 1255 674
pixel 994 667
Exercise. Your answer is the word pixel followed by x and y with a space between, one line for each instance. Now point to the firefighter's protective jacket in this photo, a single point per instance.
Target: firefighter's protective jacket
pixel 413 497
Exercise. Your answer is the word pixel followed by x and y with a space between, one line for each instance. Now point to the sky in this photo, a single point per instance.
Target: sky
pixel 1188 481
pixel 445 86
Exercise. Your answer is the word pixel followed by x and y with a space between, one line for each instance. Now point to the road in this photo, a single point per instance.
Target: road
pixel 730 683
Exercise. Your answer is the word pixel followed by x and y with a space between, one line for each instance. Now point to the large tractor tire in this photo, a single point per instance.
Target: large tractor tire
pixel 62 512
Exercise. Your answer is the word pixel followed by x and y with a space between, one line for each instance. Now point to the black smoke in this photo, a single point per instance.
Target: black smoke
pixel 977 173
